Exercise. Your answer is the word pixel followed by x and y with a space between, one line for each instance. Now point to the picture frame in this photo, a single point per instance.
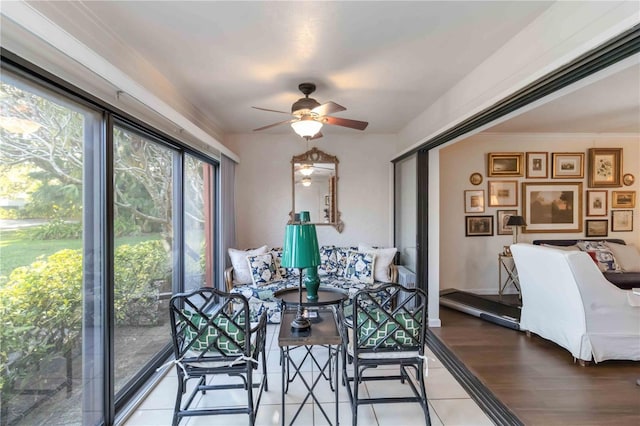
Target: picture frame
pixel 475 178
pixel 478 226
pixel 597 203
pixel 621 220
pixel 567 165
pixel 537 167
pixel 503 193
pixel 505 164
pixel 474 201
pixel 596 228
pixel 552 207
pixel 623 199
pixel 502 217
pixel 605 167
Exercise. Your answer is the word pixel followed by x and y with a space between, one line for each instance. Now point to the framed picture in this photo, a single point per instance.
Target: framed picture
pixel 537 165
pixel 605 167
pixel 623 199
pixel 596 228
pixel 478 226
pixel 502 217
pixel 474 201
pixel 552 206
pixel 505 164
pixel 475 178
pixel 621 220
pixel 503 193
pixel 567 165
pixel 596 203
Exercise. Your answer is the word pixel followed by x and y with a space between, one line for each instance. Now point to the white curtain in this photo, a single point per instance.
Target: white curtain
pixel 227 224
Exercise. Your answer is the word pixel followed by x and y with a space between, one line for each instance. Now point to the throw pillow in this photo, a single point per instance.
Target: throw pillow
pixel 384 259
pixel 603 255
pixel 328 263
pixel 263 269
pixel 342 256
pixel 627 256
pixel 276 252
pixel 573 247
pixel 360 267
pixel 241 273
pixel 367 325
pixel 213 337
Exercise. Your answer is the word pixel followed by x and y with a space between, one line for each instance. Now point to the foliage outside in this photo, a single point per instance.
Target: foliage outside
pixel 41 304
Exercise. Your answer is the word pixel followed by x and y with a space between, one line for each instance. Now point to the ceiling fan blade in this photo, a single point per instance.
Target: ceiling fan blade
pixel 271 125
pixel 316 136
pixel 328 108
pixel 345 122
pixel 271 110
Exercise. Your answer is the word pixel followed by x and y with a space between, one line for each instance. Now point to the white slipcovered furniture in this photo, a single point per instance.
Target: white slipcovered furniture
pixel 566 299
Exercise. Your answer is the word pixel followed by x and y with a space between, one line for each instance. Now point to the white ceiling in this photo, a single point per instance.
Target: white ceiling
pixel 386 62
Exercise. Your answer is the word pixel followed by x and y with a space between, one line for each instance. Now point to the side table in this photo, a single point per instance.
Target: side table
pixel 324 332
pixel 507 264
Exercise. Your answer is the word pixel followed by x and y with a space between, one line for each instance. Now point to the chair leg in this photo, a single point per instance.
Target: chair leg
pixel 178 403
pixel 423 392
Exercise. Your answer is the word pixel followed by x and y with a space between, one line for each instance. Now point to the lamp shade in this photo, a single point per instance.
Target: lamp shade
pixel 300 248
pixel 306 127
pixel 516 221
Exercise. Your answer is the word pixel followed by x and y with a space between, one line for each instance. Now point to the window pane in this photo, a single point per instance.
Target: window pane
pixel 44 140
pixel 144 235
pixel 198 223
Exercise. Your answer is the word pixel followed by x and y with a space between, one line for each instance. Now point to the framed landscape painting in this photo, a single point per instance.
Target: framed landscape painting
pixel 503 193
pixel 478 226
pixel 552 206
pixel 623 199
pixel 568 165
pixel 505 164
pixel 596 228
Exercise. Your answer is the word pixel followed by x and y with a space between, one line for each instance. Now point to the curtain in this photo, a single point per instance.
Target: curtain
pixel 227 225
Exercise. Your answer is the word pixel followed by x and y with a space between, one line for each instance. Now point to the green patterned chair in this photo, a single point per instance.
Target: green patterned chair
pixel 212 335
pixel 387 328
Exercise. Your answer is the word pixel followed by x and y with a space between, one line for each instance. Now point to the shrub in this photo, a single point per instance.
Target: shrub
pixel 58 229
pixel 41 304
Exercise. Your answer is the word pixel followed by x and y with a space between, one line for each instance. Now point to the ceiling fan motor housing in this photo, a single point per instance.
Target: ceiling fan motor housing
pixel 303 106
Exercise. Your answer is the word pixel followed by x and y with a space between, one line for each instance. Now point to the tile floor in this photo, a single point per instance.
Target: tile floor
pixel 449 404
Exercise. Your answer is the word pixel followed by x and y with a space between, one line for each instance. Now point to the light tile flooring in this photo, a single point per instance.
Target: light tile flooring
pixel 449 404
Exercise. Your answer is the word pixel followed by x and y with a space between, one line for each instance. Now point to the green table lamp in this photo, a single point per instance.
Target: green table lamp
pixel 300 250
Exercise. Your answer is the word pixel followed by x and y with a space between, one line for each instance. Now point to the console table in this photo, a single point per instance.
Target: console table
pixel 324 332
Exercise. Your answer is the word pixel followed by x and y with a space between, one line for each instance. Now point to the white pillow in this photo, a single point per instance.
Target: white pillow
pixel 384 259
pixel 627 256
pixel 241 272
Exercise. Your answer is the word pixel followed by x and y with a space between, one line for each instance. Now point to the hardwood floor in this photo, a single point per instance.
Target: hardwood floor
pixel 538 380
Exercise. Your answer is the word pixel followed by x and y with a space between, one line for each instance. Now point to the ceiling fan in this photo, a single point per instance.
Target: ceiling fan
pixel 309 115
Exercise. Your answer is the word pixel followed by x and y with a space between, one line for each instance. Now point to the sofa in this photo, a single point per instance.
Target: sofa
pixel 619 265
pixel 566 299
pixel 258 275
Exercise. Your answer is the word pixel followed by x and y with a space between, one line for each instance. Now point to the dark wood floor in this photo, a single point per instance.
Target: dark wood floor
pixel 537 380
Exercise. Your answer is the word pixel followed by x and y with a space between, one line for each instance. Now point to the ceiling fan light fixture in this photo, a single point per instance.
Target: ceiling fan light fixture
pixel 306 181
pixel 306 127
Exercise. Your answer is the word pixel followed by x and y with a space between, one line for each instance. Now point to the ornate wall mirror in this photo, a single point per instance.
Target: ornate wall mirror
pixel 314 177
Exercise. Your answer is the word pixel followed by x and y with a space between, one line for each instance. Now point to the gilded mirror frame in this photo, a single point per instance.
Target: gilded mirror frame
pixel 316 156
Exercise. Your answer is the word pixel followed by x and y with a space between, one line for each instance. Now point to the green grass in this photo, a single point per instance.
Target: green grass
pixel 17 248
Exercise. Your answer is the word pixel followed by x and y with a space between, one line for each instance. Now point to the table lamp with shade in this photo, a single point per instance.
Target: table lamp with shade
pixel 515 222
pixel 300 250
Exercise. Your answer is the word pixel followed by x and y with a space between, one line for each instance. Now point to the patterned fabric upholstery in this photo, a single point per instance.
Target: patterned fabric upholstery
pixel 359 267
pixel 377 327
pixel 263 269
pixel 226 337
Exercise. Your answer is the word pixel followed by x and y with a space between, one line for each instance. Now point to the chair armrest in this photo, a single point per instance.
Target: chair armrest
pixel 393 273
pixel 228 278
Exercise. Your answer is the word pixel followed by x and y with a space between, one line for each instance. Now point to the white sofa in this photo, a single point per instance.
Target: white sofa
pixel 566 299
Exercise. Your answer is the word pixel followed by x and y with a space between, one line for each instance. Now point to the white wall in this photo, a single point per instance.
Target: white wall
pixel 470 263
pixel 263 187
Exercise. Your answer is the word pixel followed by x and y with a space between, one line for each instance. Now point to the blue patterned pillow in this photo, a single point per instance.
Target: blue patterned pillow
pixel 263 269
pixel 342 256
pixel 359 267
pixel 277 257
pixel 218 341
pixel 327 260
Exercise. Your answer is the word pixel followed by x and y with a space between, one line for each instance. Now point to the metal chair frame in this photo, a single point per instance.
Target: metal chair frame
pixel 388 301
pixel 240 359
